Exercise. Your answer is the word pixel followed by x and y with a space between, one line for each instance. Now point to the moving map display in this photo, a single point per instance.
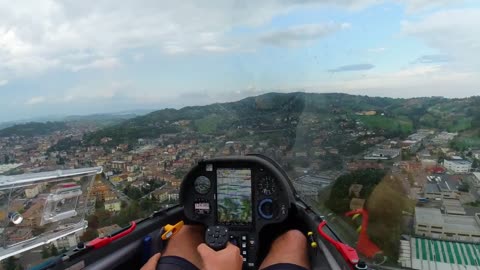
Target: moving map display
pixel 234 195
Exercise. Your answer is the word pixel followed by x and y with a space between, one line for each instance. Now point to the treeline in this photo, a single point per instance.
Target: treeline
pixel 64 145
pixel 32 129
pixel 339 199
pixel 135 210
pixel 128 133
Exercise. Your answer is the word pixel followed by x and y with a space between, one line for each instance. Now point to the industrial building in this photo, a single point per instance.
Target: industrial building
pixel 453 207
pixel 383 154
pixel 457 165
pixel 430 222
pixel 441 187
pixel 420 253
pixel 309 185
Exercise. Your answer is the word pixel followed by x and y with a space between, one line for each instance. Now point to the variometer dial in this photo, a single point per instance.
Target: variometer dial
pixel 202 185
pixel 267 186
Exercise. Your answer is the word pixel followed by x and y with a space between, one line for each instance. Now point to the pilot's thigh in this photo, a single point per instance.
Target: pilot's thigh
pixel 175 263
pixel 284 266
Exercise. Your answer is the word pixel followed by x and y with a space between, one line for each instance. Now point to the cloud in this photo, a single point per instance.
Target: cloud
pixel 35 37
pixel 414 81
pixel 452 32
pixel 298 35
pixel 356 67
pixel 3 82
pixel 104 63
pixel 35 100
pixel 421 5
pixel 432 59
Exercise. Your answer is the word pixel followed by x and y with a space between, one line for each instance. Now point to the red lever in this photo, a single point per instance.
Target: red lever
pixel 348 253
pixel 103 241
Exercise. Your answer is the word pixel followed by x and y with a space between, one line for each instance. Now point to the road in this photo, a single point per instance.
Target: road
pixel 119 193
pixel 148 194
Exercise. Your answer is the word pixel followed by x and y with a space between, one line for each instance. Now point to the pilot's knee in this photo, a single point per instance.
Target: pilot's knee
pixel 293 238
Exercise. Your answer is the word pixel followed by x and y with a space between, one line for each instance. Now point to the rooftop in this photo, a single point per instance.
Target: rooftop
pixel 446 183
pixel 460 161
pixel 425 215
pixel 434 217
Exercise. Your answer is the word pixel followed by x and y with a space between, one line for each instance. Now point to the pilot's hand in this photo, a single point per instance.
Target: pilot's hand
pixel 152 262
pixel 228 258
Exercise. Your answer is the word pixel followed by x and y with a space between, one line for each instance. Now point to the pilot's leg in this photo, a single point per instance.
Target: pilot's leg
pixel 288 251
pixel 184 245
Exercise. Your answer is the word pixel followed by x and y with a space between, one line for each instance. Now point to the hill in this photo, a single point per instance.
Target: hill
pixel 296 116
pixel 32 129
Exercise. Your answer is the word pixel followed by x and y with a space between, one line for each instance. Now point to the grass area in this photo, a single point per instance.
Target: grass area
pixel 468 139
pixel 387 123
pixel 208 124
pixel 460 124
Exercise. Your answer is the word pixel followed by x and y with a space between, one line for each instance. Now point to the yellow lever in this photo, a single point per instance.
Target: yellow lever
pixel 171 230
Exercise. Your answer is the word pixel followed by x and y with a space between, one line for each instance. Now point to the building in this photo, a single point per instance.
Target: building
pixel 453 207
pixel 441 187
pixel 458 165
pixel 67 242
pixel 102 192
pixel 356 203
pixel 383 154
pixel 364 164
pixel 309 185
pixel 8 167
pixel 33 191
pixel 165 194
pixel 15 235
pixel 476 179
pixel 476 154
pixel 32 217
pixel 443 138
pixel 421 253
pixel 105 231
pixel 354 190
pixel 119 165
pixel 431 223
pixel 114 205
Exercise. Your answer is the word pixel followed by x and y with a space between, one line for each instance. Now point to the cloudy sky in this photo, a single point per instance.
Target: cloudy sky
pixel 74 57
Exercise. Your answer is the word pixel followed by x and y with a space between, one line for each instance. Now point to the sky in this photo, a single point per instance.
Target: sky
pixel 72 57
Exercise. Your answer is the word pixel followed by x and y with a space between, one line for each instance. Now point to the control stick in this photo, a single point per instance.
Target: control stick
pixel 216 237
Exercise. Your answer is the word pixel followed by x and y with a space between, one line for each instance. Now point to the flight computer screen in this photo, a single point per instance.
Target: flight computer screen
pixel 234 196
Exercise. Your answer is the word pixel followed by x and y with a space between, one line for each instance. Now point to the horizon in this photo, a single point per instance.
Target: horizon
pixel 54 118
pixel 74 58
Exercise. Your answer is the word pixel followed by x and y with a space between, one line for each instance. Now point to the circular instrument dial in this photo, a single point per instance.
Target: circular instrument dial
pixel 267 186
pixel 202 185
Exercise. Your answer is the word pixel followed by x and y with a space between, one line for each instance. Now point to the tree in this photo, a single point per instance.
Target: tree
pixel 9 264
pixel 476 163
pixel 464 187
pixel 45 253
pixel 53 250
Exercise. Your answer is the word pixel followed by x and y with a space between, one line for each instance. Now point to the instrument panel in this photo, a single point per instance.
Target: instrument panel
pixel 240 194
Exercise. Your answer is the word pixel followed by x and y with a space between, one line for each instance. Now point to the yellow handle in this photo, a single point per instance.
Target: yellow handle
pixel 171 230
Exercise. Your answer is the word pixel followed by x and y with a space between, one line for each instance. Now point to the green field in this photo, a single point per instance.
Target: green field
pixel 387 123
pixel 208 124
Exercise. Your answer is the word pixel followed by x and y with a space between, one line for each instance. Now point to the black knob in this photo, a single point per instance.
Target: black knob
pixel 361 265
